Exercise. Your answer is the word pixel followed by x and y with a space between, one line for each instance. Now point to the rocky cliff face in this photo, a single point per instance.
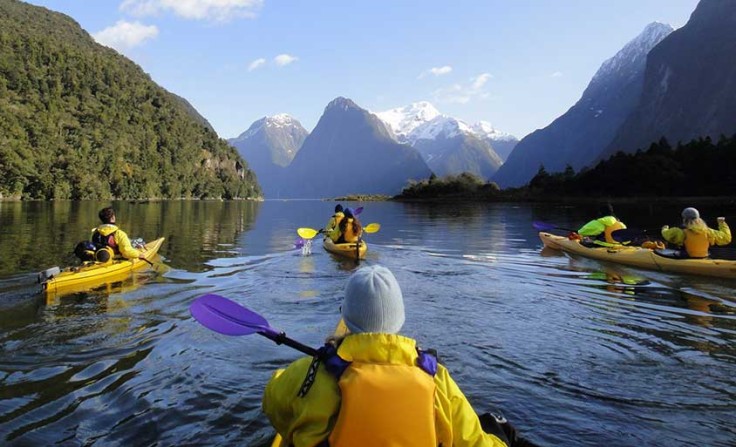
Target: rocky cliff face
pixel 689 84
pixel 580 135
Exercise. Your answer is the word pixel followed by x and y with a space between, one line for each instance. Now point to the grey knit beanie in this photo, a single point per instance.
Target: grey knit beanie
pixel 690 214
pixel 373 301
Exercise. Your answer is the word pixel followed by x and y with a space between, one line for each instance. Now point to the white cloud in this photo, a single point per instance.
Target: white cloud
pixel 218 10
pixel 125 35
pixel 480 80
pixel 284 59
pixel 557 74
pixel 437 71
pixel 462 93
pixel 258 63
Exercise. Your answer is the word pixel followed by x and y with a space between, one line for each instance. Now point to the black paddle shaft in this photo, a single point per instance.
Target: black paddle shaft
pixel 282 339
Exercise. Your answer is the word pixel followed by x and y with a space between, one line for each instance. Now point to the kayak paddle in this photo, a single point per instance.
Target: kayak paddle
pixel 544 226
pixel 227 317
pixel 309 233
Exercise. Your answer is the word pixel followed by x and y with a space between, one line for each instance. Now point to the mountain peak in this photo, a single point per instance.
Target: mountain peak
pixel 341 103
pixel 484 129
pixel 280 120
pixel 636 49
pixel 404 120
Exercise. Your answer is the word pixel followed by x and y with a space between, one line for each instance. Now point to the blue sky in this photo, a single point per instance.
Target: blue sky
pixel 518 64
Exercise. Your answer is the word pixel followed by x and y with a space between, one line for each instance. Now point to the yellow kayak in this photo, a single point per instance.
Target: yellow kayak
pixel 347 249
pixel 91 274
pixel 642 258
pixel 340 331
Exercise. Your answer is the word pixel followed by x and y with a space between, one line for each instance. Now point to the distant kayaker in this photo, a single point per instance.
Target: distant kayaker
pixel 350 228
pixel 108 237
pixel 599 229
pixel 694 237
pixel 332 229
pixel 375 387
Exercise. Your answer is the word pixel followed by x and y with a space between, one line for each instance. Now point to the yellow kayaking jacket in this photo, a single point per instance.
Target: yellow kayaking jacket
pixel 332 230
pixel 120 242
pixel 309 420
pixel 697 239
pixel 604 225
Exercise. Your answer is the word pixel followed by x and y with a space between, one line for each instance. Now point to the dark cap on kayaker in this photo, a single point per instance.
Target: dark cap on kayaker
pixel 690 214
pixel 373 301
pixel 348 212
pixel 605 210
pixel 338 208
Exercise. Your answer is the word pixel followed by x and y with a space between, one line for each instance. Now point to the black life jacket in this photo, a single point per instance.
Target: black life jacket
pixel 102 241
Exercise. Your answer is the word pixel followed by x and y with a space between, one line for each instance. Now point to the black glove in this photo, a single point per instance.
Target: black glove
pixel 496 424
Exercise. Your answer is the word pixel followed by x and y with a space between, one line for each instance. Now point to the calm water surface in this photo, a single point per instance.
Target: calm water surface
pixel 573 351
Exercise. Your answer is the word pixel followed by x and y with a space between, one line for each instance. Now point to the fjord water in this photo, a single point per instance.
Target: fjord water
pixel 574 352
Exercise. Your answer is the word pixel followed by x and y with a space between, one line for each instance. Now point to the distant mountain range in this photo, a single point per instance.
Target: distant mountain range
pixel 578 137
pixel 346 132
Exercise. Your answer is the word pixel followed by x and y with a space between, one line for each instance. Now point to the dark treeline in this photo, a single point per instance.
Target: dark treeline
pixel 696 169
pixel 465 185
pixel 79 121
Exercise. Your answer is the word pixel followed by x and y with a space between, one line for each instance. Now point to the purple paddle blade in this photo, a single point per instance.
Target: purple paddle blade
pixel 358 210
pixel 542 226
pixel 228 317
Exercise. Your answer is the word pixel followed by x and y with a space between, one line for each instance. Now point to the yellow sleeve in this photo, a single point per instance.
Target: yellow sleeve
pixel 301 421
pixel 456 421
pixel 126 249
pixel 592 228
pixel 334 233
pixel 330 225
pixel 674 236
pixel 721 236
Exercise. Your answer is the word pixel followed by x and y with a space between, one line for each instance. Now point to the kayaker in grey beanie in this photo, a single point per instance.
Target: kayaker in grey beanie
pixel 695 237
pixel 373 301
pixel 376 387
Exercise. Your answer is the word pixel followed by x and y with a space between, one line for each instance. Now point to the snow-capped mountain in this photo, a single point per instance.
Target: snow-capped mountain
pixel 269 145
pixel 404 120
pixel 447 144
pixel 581 134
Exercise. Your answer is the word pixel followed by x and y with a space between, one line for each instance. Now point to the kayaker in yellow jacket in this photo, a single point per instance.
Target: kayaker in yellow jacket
pixel 109 235
pixel 602 226
pixel 695 237
pixel 350 228
pixel 375 387
pixel 332 229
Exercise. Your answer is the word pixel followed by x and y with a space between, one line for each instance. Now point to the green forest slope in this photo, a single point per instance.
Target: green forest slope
pixel 80 121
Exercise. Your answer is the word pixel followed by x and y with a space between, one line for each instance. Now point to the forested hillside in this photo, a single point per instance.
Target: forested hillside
pixel 80 121
pixel 695 169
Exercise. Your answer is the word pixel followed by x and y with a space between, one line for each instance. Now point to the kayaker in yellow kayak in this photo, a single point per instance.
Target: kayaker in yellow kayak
pixel 598 231
pixel 695 238
pixel 332 228
pixel 111 240
pixel 350 228
pixel 375 387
